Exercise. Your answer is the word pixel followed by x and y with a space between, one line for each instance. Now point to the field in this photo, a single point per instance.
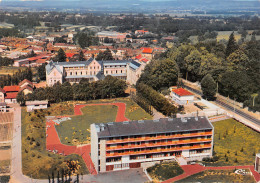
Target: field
pixel 5 70
pixel 78 127
pixel 37 162
pixel 76 130
pixel 6 126
pixel 133 111
pixel 218 176
pixel 164 171
pixel 225 35
pixel 235 143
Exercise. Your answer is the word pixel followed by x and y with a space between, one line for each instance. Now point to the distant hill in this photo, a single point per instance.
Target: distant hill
pixel 146 6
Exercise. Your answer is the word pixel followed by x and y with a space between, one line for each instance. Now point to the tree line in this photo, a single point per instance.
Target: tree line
pixel 4 61
pixel 16 78
pixel 158 101
pixel 234 68
pixel 109 87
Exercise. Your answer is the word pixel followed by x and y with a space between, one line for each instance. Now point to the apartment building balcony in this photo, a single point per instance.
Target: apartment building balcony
pixel 131 152
pixel 158 137
pixel 120 147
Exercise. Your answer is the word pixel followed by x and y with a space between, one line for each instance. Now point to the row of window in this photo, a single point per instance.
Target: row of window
pixel 111 72
pixel 80 73
pixel 111 66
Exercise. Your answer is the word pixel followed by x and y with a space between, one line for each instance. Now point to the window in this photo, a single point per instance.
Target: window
pixel 80 73
pixel 90 72
pixel 94 72
pixel 111 72
pixel 124 165
pixel 117 166
pixel 121 71
pixel 98 67
pixel 90 67
pixel 106 72
pixel 70 73
pixel 86 72
pixel 94 67
pixel 116 71
pixel 76 73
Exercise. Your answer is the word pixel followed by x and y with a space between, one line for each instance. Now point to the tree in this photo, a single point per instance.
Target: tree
pixel 20 98
pixel 42 72
pixel 160 74
pixel 237 60
pixel 81 56
pixel 106 55
pixel 232 45
pixel 209 87
pixel 61 56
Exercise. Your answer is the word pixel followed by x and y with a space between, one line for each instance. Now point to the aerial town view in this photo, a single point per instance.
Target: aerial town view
pixel 129 91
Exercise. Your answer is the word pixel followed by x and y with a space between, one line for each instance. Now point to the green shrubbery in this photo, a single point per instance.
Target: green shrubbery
pixel 159 102
pixel 165 170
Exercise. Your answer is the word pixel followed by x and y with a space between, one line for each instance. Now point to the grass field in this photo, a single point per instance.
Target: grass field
pixel 5 70
pixel 223 176
pixel 235 143
pixel 133 110
pixel 37 162
pixel 78 127
pixel 164 171
pixel 76 130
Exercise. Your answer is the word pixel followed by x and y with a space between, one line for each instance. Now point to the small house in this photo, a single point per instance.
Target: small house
pixel 182 96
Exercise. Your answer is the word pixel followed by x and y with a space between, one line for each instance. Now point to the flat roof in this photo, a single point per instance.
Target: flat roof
pixel 163 125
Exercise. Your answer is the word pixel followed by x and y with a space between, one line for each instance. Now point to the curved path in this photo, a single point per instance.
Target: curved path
pixel 54 144
pixel 194 169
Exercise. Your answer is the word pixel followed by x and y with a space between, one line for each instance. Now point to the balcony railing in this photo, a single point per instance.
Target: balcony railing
pixel 120 147
pixel 131 152
pixel 158 137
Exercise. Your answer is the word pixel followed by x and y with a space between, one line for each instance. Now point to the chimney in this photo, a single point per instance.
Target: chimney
pixel 102 127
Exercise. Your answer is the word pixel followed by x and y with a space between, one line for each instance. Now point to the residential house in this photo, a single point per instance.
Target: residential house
pixel 3 107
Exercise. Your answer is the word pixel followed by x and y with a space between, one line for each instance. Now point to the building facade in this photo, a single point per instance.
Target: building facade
pixel 133 144
pixel 257 163
pixel 92 70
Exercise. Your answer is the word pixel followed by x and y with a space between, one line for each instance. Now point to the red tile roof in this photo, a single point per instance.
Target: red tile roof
pixel 11 88
pixel 182 92
pixel 147 50
pixel 138 57
pixel 2 90
pixel 11 95
pixel 69 55
pixel 25 81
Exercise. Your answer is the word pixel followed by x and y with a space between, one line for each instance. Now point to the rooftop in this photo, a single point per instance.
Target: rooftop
pixel 141 127
pixel 11 88
pixel 182 92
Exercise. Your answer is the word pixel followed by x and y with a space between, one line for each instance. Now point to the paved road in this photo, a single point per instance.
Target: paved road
pixel 229 107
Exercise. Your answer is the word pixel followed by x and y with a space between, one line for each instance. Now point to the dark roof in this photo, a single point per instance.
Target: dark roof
pixel 115 129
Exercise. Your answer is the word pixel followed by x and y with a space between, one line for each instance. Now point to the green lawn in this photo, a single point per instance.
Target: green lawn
pixel 37 162
pixel 133 110
pixel 78 127
pixel 164 171
pixel 223 176
pixel 235 143
pixel 76 130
